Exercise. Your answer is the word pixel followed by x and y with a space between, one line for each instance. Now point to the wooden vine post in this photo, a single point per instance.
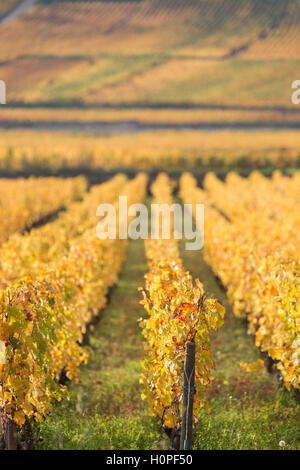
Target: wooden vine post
pixel 11 436
pixel 188 398
pixel 9 432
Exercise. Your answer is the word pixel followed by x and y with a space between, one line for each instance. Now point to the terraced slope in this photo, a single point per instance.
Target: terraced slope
pixel 214 52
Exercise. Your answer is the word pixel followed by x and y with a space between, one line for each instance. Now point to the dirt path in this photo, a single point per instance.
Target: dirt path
pixel 20 9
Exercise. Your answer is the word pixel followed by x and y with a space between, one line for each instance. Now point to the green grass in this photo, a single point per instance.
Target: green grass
pixel 107 71
pixel 105 411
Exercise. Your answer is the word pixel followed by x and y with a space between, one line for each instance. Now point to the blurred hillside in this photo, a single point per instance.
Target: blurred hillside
pixel 232 53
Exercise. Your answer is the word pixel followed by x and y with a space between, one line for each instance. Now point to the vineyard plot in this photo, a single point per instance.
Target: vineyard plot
pixel 254 251
pixel 106 410
pixel 44 318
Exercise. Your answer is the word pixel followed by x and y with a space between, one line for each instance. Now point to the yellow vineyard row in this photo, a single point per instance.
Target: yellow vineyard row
pixel 43 317
pixel 27 254
pixel 24 202
pixel 255 253
pixel 179 312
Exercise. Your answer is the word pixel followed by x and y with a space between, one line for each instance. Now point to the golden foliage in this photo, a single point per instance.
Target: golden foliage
pixel 27 254
pixel 43 317
pixel 255 253
pixel 24 202
pixel 179 312
pixel 22 150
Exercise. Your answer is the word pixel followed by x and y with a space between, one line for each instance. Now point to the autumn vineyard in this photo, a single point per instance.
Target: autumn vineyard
pixel 129 340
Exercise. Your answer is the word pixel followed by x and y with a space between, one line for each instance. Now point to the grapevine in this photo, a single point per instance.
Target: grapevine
pixel 179 312
pixel 24 202
pixel 43 319
pixel 254 251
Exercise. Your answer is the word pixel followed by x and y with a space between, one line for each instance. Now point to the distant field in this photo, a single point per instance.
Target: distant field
pixel 205 28
pixel 148 115
pixel 136 80
pixel 51 152
pixel 152 61
pixel 154 51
